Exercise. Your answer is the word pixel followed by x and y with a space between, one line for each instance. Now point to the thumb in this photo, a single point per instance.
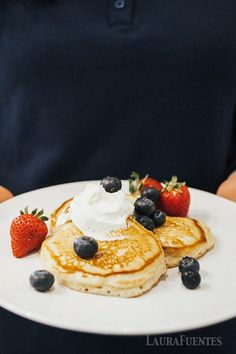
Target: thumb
pixel 5 194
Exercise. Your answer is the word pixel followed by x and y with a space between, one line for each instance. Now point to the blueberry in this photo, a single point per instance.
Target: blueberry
pixel 189 263
pixel 145 221
pixel 144 206
pixel 159 217
pixel 85 247
pixel 41 280
pixel 151 193
pixel 190 279
pixel 111 184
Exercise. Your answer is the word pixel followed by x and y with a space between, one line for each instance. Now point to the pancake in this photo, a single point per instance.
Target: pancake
pixel 59 214
pixel 181 237
pixel 126 266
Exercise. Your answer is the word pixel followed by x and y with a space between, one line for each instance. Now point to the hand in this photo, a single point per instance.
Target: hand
pixel 5 194
pixel 227 189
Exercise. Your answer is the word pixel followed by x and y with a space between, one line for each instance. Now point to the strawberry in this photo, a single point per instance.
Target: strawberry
pixel 151 182
pixel 28 231
pixel 137 184
pixel 174 198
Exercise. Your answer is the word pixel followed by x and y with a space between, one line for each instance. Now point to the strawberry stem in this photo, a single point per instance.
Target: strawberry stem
pixel 173 184
pixel 134 182
pixel 35 212
pixel 142 182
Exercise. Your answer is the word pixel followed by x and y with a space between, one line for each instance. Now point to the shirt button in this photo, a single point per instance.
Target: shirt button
pixel 119 4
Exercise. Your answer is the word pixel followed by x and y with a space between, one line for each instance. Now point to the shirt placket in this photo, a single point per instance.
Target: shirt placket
pixel 120 12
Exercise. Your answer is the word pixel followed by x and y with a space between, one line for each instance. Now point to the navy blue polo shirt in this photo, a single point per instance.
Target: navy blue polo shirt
pixel 94 88
pixel 104 87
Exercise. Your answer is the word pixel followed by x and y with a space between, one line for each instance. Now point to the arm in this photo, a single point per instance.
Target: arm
pixel 227 189
pixel 5 194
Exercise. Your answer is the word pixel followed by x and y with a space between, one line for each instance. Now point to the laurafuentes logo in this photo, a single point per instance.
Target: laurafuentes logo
pixel 183 340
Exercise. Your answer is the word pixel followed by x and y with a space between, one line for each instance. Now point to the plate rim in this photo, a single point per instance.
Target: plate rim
pixel 91 328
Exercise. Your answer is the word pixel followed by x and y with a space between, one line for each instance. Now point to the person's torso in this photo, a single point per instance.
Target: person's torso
pixel 95 88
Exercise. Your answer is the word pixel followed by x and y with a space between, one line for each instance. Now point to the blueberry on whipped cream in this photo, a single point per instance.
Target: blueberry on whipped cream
pixel 111 184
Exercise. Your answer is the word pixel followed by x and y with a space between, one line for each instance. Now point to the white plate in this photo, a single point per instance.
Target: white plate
pixel 168 307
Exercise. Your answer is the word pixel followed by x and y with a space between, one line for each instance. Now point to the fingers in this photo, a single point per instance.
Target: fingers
pixel 5 194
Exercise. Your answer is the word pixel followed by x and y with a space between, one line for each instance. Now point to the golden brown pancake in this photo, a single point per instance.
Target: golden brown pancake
pixel 126 267
pixel 181 237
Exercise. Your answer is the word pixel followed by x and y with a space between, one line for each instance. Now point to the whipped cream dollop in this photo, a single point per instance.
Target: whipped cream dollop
pixel 96 212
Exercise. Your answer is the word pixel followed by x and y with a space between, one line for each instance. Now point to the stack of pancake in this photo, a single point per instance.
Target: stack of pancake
pixel 126 266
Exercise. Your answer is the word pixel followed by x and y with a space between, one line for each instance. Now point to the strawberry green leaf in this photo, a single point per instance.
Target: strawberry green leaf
pixel 39 213
pixel 34 211
pixel 44 218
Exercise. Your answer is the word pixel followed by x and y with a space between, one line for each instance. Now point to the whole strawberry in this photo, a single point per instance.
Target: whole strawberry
pixel 137 184
pixel 174 198
pixel 28 231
